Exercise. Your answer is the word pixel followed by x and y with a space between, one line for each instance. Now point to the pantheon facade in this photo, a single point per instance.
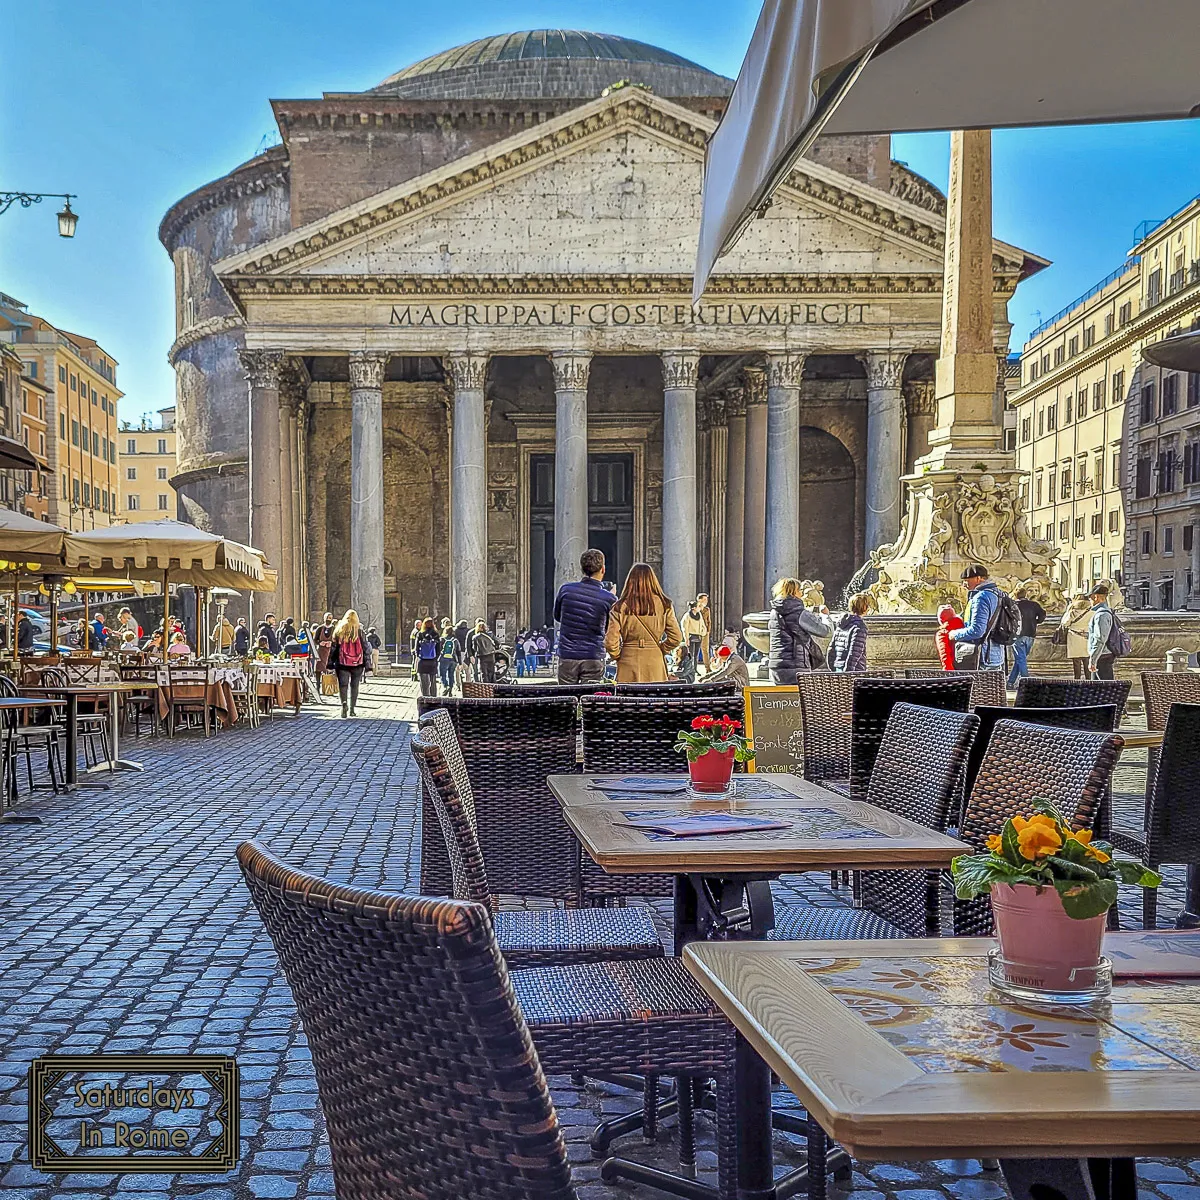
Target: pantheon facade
pixel 440 340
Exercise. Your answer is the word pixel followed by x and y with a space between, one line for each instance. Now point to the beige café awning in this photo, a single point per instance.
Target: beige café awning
pixel 892 66
pixel 23 538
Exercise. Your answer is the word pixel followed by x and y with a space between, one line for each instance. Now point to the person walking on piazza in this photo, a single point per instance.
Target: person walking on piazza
pixel 694 630
pixel 376 644
pixel 581 609
pixel 1032 615
pixel 848 649
pixel 987 628
pixel 450 660
pixel 519 654
pixel 793 628
pixel 428 656
pixel 241 638
pixel 413 634
pixel 350 657
pixel 481 649
pixel 126 622
pixel 642 628
pixel 324 640
pixel 222 635
pixel 266 630
pixel 706 642
pixel 1072 632
pixel 1102 626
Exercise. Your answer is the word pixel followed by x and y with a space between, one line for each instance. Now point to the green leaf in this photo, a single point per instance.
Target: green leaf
pixel 1071 871
pixel 1044 806
pixel 1010 847
pixel 1083 900
pixel 1132 872
pixel 1073 852
pixel 974 874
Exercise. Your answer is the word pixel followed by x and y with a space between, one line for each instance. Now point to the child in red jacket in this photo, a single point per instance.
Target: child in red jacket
pixel 948 620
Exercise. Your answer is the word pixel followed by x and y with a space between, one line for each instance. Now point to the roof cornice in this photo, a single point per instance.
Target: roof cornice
pixel 811 181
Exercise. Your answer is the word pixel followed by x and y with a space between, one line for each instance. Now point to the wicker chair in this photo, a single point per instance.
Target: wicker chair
pixel 1093 718
pixel 621 734
pixel 873 702
pixel 466 1112
pixel 1037 692
pixel 1161 689
pixel 825 703
pixel 916 775
pixel 987 687
pixel 1172 826
pixel 476 691
pixel 525 691
pixel 545 937
pixel 1025 762
pixel 719 688
pixel 509 747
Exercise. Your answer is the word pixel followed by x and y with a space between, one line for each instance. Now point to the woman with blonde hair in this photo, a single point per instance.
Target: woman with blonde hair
pixel 793 628
pixel 642 628
pixel 350 657
pixel 1073 632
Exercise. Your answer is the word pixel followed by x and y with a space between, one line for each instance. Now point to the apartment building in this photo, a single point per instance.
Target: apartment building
pixel 146 456
pixel 1112 444
pixel 33 489
pixel 80 413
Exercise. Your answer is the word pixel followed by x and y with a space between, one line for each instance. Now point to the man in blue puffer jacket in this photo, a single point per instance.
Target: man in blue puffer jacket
pixel 983 601
pixel 581 610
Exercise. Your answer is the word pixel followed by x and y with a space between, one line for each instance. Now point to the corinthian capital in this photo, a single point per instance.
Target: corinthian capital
pixel 756 385
pixel 263 367
pixel 920 397
pixel 570 370
pixel 680 369
pixel 293 384
pixel 735 401
pixel 366 369
pixel 885 368
pixel 785 370
pixel 467 371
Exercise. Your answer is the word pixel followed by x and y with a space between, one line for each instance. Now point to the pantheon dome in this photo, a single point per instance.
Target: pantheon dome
pixel 549 63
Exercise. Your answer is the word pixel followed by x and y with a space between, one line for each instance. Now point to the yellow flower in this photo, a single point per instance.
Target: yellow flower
pixel 1037 839
pixel 1020 823
pixel 995 843
pixel 1084 837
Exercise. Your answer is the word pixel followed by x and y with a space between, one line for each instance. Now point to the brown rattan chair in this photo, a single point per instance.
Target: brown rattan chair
pixel 623 734
pixel 987 687
pixel 1036 691
pixel 1161 689
pixel 525 691
pixel 825 703
pixel 873 702
pixel 916 775
pixel 719 688
pixel 477 691
pixel 431 1084
pixel 541 937
pixel 1069 767
pixel 1171 833
pixel 509 747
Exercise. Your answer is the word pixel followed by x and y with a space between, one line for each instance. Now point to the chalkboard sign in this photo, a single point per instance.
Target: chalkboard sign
pixel 773 723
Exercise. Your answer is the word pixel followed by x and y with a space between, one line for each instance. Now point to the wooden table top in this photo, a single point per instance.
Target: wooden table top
pixel 1142 739
pixel 901 1050
pixel 824 831
pixel 88 689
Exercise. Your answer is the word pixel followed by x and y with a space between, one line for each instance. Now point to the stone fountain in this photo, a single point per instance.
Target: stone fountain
pixel 965 501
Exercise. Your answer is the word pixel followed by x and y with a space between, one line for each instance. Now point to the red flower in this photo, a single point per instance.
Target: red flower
pixel 703 722
pixel 730 723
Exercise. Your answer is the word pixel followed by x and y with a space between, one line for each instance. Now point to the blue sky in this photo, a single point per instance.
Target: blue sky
pixel 132 103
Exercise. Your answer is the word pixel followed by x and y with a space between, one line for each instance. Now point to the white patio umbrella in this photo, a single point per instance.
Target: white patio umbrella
pixel 22 538
pixel 170 551
pixel 890 66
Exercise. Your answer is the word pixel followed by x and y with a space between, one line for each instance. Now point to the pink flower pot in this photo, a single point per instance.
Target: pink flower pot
pixel 1041 945
pixel 711 772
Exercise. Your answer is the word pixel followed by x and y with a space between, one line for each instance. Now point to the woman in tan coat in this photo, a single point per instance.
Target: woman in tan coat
pixel 1074 624
pixel 642 628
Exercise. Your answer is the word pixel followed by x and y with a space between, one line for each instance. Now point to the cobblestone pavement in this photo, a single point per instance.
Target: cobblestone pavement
pixel 124 928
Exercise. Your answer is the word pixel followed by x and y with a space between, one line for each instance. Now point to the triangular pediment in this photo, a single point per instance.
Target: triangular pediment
pixel 611 188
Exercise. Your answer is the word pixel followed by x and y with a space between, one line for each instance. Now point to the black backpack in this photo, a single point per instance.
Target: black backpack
pixel 1006 622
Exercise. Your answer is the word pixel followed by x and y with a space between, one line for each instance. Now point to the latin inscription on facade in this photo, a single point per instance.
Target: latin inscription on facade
pixel 604 313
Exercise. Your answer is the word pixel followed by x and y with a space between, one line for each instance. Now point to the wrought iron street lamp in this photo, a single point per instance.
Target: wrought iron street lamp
pixel 67 219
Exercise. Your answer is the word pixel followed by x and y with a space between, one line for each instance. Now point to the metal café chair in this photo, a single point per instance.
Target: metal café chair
pixel 91 725
pixel 21 740
pixel 141 702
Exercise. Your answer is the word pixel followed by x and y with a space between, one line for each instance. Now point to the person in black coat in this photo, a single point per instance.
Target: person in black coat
pixel 792 627
pixel 267 630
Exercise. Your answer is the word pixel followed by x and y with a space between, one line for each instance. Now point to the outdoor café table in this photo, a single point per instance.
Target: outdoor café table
pixel 901 1050
pixel 92 691
pixel 22 704
pixel 281 682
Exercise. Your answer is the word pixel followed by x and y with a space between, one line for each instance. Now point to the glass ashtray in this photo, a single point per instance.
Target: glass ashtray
pixel 1042 983
pixel 726 793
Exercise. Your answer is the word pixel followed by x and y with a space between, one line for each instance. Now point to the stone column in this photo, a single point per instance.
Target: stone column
pixel 718 486
pixel 468 488
pixel 292 386
pixel 570 462
pixel 679 476
pixel 754 522
pixel 921 406
pixel 264 369
pixel 885 445
pixel 735 504
pixel 366 485
pixel 784 372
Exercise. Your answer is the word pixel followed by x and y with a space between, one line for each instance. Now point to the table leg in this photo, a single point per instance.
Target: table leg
pixel 116 763
pixel 72 768
pixel 752 1084
pixel 1190 917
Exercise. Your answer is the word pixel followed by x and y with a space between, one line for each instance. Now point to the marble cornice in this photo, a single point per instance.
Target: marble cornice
pixel 250 178
pixel 387 286
pixel 201 330
pixel 670 121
